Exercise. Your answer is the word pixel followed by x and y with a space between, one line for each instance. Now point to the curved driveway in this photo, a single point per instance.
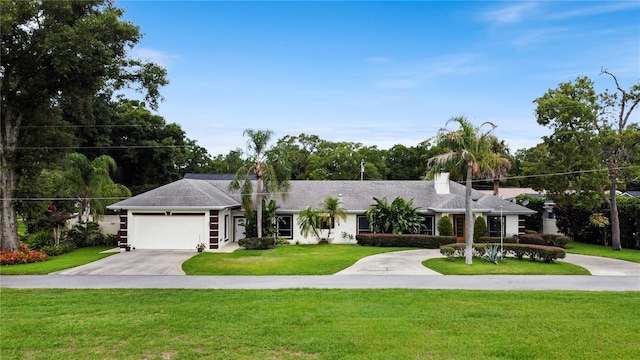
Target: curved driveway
pixel 609 275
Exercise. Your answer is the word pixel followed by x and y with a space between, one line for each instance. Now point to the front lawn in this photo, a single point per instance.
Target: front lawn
pixel 74 258
pixel 318 324
pixel 508 266
pixel 632 255
pixel 283 260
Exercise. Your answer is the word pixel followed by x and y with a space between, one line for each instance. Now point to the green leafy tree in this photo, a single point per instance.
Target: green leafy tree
pixel 399 217
pixel 471 149
pixel 310 222
pixel 590 133
pixel 91 182
pixel 271 174
pixel 54 51
pixel 332 212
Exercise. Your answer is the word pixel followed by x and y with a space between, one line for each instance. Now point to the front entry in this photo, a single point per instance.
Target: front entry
pixel 238 228
pixel 458 227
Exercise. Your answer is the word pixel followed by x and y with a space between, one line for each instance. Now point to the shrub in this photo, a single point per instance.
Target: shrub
pixel 39 239
pixel 496 239
pixel 111 240
pixel 556 240
pixel 256 243
pixel 479 228
pixel 445 226
pixel 53 250
pixel 404 240
pixel 533 239
pixel 545 253
pixel 84 234
pixel 544 239
pixel 22 256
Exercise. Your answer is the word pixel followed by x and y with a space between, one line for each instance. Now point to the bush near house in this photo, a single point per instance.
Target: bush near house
pixel 533 252
pixel 256 243
pixel 479 228
pixel 544 239
pixel 404 240
pixel 445 226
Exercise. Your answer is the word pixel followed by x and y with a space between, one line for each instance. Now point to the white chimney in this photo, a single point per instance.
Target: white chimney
pixel 441 183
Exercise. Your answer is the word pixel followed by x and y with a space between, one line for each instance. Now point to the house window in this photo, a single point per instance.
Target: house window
pixel 363 225
pixel 324 225
pixel 427 225
pixel 496 225
pixel 285 226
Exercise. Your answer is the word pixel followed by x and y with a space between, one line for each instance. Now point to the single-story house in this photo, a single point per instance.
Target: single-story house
pixel 200 209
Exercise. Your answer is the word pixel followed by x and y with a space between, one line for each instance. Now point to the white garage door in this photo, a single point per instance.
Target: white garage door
pixel 177 231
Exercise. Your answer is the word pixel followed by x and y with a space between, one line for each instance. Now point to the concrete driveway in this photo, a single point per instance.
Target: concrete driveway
pixel 136 262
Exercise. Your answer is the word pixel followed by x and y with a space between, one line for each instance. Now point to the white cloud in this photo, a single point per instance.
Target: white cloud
pixel 159 57
pixel 510 14
pixel 595 10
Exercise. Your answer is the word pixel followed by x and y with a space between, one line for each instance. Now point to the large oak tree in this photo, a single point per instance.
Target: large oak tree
pixel 56 52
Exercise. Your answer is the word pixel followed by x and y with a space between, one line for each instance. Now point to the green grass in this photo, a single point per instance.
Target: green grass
pixel 604 251
pixel 56 263
pixel 508 266
pixel 318 324
pixel 283 260
pixel 22 227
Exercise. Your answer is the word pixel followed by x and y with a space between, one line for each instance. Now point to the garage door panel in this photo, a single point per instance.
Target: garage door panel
pixel 182 231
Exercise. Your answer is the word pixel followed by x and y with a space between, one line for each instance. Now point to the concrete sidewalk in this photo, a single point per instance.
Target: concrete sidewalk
pixel 477 282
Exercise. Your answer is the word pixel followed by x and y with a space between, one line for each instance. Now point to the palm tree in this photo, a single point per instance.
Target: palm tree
pixel 332 211
pixel 87 180
pixel 309 221
pixel 501 171
pixel 470 149
pixel 399 217
pixel 271 174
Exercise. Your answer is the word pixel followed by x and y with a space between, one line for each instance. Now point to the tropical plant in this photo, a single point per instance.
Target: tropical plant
pixel 310 221
pixel 399 217
pixel 492 253
pixel 469 148
pixel 271 173
pixel 87 180
pixel 332 212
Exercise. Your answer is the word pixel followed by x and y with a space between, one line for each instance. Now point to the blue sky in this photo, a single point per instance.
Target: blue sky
pixel 379 73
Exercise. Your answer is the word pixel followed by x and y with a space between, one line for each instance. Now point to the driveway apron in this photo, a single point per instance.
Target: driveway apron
pixel 136 262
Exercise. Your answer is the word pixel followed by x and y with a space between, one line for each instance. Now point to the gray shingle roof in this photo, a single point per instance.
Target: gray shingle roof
pixel 356 196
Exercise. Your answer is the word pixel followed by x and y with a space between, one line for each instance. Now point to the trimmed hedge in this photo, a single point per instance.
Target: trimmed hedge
pixel 496 239
pixel 256 243
pixel 404 240
pixel 533 252
pixel 544 239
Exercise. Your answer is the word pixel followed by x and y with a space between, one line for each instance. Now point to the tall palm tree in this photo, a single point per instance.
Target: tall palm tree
pixel 501 170
pixel 270 173
pixel 87 180
pixel 333 211
pixel 470 149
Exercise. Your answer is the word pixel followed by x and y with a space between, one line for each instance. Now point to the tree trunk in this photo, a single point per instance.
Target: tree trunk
pixel 259 205
pixel 9 217
pixel 615 220
pixel 468 239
